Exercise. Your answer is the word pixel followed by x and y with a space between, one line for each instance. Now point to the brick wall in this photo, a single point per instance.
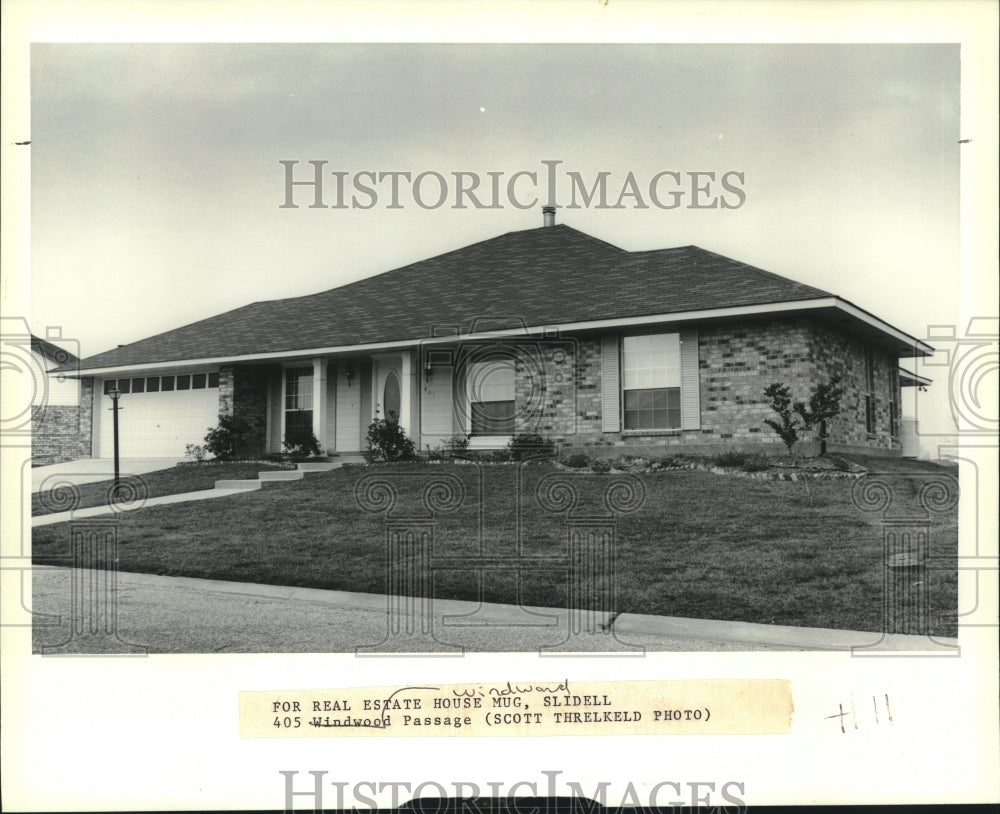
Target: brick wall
pixel 737 360
pixel 837 353
pixel 63 432
pixel 243 393
pixel 558 388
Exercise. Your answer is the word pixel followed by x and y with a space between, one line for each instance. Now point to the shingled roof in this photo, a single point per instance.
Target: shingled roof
pixel 552 275
pixel 52 352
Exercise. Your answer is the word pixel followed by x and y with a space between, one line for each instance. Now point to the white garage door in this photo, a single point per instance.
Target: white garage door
pixel 160 415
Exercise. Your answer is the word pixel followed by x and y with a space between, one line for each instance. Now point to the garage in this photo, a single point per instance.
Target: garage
pixel 159 415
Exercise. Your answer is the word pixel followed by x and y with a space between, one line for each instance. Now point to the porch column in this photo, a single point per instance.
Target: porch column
pixel 407 396
pixel 319 401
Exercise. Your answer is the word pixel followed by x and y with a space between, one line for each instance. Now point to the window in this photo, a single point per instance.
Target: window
pixel 391 398
pixel 894 405
pixel 651 382
pixel 491 397
pixel 298 401
pixel 166 384
pixel 870 394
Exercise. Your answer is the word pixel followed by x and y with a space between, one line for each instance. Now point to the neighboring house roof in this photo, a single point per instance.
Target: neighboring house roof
pixel 909 379
pixel 53 353
pixel 550 276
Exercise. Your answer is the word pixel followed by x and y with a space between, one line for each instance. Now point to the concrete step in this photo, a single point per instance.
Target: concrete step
pixel 240 485
pixel 281 474
pixel 319 467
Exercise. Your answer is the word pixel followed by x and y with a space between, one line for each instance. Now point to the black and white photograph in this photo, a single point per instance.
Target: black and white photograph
pixel 397 381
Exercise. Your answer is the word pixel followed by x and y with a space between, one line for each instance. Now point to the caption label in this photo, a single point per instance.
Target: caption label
pixel 711 707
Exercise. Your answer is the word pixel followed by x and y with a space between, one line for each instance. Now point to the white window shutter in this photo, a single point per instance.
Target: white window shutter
pixel 610 384
pixel 690 385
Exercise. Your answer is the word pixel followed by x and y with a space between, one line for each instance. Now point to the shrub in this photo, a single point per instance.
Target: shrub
pixel 601 465
pixel 456 445
pixel 300 441
pixel 195 452
pixel 528 445
pixel 228 438
pixel 840 464
pixel 388 442
pixel 755 462
pixel 576 461
pixel 730 458
pixel 500 456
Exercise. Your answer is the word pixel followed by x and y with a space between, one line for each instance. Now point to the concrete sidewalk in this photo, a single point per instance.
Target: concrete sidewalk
pixel 125 508
pixel 223 488
pixel 158 614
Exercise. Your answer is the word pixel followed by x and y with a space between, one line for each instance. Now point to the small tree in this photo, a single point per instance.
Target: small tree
pixel 824 404
pixel 388 442
pixel 787 427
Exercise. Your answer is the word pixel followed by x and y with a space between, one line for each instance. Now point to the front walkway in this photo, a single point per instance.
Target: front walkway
pixel 223 488
pixel 97 511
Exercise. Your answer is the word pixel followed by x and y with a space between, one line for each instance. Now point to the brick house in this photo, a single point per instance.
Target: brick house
pixel 546 330
pixel 60 406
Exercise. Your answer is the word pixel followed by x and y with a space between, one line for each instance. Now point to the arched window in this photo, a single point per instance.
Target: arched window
pixel 391 402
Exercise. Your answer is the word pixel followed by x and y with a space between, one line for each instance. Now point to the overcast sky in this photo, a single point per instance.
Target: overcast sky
pixel 156 183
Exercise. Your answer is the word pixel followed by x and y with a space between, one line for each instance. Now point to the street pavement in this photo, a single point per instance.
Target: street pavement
pixel 156 614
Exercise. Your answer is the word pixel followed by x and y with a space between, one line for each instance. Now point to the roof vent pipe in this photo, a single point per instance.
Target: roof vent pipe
pixel 548 216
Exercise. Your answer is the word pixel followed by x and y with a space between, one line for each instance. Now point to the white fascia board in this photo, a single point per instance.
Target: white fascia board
pixel 910 379
pixel 919 348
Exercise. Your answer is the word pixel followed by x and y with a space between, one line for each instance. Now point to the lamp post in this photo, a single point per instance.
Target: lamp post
pixel 115 394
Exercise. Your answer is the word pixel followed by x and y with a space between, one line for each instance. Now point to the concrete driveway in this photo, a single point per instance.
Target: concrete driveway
pixel 92 470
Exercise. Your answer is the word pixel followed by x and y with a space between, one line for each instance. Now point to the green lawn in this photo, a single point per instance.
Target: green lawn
pixel 702 544
pixel 172 481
